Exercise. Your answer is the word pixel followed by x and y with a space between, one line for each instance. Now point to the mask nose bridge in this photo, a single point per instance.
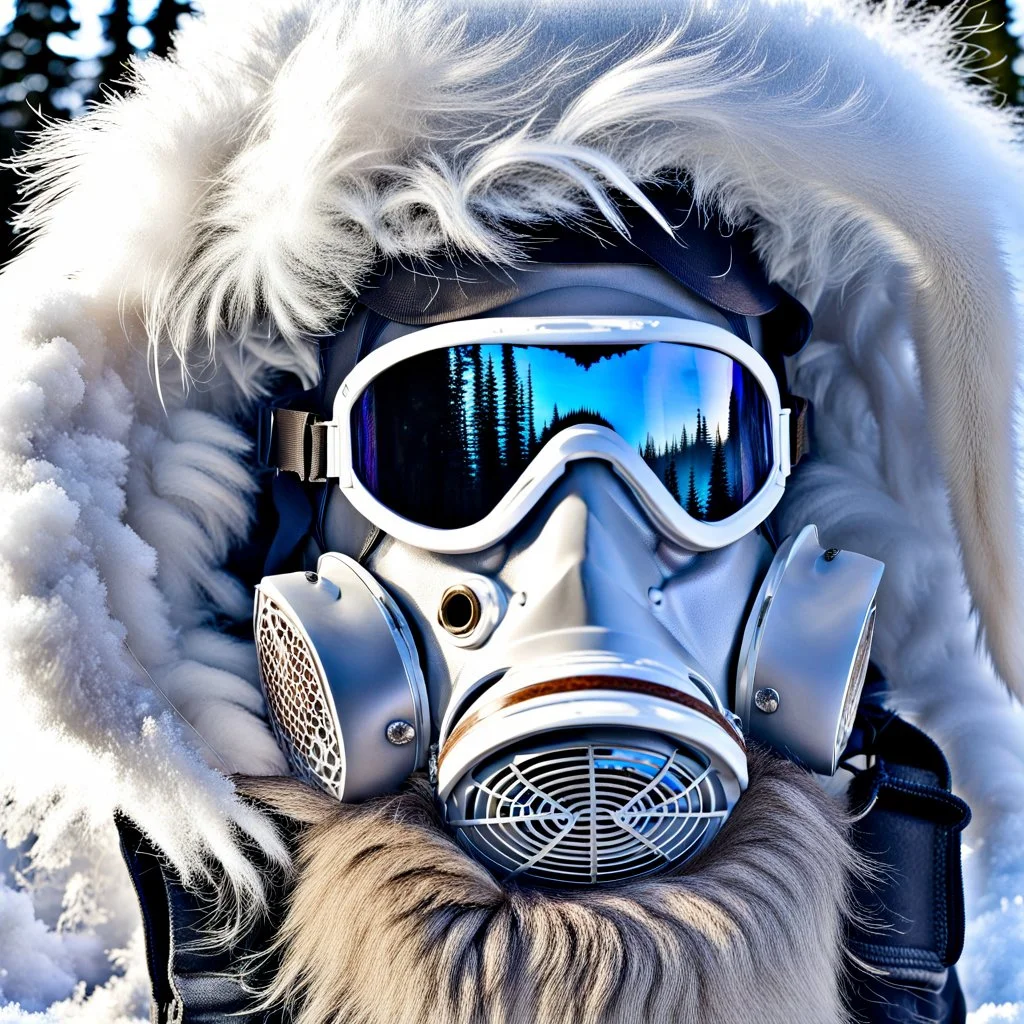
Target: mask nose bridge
pixel 591 562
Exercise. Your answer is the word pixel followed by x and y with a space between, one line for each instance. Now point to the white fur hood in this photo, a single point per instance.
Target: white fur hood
pixel 187 241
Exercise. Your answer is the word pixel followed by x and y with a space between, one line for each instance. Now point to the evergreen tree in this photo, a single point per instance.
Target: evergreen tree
pixel 693 505
pixel 524 437
pixel 31 74
pixel 733 441
pixel 531 427
pixel 699 435
pixel 164 22
pixel 512 433
pixel 734 417
pixel 490 451
pixel 719 493
pixel 454 441
pixel 117 24
pixel 672 480
pixel 684 444
pixel 477 372
pixel 650 454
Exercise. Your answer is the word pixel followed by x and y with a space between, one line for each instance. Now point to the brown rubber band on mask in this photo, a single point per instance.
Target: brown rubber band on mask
pixel 576 683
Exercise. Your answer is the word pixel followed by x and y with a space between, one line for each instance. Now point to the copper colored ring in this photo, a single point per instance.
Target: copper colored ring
pixel 576 683
pixel 459 590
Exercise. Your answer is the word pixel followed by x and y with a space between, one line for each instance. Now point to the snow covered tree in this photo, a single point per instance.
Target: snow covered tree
pixel 31 72
pixel 117 26
pixel 165 21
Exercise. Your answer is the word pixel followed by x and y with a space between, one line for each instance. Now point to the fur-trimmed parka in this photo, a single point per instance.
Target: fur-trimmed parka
pixel 188 242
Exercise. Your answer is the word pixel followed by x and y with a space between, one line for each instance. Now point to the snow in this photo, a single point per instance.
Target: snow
pixel 70 949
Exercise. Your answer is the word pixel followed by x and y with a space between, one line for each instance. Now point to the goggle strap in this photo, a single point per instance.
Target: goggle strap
pixel 293 441
pixel 800 414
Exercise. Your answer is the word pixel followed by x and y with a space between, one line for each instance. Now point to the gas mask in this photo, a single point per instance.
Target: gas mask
pixel 573 618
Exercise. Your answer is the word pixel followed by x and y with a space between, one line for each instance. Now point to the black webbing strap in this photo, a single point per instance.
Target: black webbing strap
pixel 293 441
pixel 911 931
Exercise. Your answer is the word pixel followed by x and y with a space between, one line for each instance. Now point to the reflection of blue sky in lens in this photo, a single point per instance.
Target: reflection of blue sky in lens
pixel 448 463
pixel 655 388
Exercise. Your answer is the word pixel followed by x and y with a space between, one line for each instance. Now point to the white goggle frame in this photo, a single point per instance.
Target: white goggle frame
pixel 573 443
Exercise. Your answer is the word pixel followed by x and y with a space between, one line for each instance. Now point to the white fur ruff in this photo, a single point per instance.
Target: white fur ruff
pixel 234 203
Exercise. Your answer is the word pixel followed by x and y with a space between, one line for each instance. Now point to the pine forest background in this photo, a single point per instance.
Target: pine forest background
pixel 59 56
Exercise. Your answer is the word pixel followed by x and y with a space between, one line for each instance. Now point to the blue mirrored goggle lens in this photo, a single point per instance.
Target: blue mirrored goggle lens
pixel 441 437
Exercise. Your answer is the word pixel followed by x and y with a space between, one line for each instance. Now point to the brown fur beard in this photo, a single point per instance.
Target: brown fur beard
pixel 390 922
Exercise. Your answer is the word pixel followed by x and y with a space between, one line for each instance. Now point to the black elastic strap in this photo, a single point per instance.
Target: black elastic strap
pixel 912 930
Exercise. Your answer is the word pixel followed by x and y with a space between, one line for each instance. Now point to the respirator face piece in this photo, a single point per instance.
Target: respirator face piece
pixel 576 656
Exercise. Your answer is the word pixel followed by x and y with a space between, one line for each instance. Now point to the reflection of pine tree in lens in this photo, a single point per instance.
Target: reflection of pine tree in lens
pixel 456 483
pixel 672 479
pixel 531 425
pixel 732 449
pixel 650 451
pixel 476 373
pixel 719 503
pixel 511 419
pixel 490 475
pixel 692 504
pixel 573 418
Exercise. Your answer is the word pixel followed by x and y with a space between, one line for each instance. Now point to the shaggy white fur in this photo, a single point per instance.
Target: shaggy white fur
pixel 231 206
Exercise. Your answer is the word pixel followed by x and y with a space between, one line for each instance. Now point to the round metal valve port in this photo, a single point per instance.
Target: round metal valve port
pixel 459 611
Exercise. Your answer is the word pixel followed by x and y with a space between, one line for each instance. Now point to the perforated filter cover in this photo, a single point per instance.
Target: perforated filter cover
pixel 298 700
pixel 589 808
pixel 338 666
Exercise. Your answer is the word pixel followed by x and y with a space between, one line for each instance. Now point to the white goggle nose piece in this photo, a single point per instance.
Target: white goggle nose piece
pixel 805 650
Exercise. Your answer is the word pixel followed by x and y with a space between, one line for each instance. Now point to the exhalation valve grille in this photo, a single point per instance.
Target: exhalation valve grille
pixel 297 698
pixel 589 812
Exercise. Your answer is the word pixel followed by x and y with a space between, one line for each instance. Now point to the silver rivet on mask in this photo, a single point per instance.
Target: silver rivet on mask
pixel 767 700
pixel 654 595
pixel 312 577
pixel 400 732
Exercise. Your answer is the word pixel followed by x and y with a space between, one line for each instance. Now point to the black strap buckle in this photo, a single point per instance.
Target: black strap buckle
pixel 293 441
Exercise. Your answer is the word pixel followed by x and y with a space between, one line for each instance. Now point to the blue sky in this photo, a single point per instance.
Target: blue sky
pixel 654 388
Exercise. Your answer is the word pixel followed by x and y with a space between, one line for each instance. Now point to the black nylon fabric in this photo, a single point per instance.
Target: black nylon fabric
pixel 190 984
pixel 912 924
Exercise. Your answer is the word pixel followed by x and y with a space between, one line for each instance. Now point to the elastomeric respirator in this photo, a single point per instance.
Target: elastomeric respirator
pixel 571 613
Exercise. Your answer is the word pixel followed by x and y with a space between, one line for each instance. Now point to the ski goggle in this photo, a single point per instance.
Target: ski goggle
pixel 447 437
